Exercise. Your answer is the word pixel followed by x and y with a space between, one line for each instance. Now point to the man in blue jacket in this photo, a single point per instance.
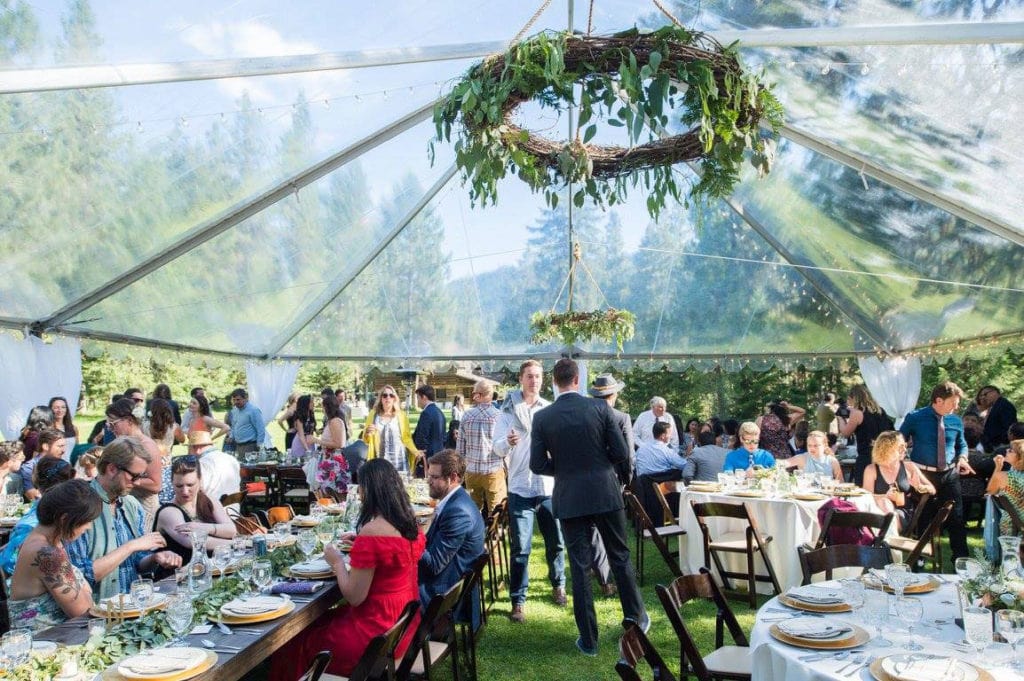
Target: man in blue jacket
pixel 430 430
pixel 456 535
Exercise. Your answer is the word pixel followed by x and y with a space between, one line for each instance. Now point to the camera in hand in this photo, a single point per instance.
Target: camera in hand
pixel 844 409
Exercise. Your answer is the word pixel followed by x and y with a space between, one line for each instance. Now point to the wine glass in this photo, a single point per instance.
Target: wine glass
pixel 245 572
pixel 179 615
pixel 1010 625
pixel 967 568
pixel 222 558
pixel 262 573
pixel 876 609
pixel 978 627
pixel 325 532
pixel 307 543
pixel 853 594
pixel 142 593
pixel 16 645
pixel 911 611
pixel 898 576
pixel 282 531
pixel 238 548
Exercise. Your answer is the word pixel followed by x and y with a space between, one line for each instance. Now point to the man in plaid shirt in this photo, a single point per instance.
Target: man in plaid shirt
pixel 485 470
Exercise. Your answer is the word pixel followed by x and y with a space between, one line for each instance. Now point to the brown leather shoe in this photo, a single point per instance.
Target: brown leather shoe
pixel 518 615
pixel 609 589
pixel 558 596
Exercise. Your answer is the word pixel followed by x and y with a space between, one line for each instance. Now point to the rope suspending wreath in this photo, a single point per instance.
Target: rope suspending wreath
pixel 642 83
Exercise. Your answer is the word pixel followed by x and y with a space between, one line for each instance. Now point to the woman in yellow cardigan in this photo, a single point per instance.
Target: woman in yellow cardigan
pixel 387 433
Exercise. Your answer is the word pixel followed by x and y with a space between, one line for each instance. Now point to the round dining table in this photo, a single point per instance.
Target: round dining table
pixel 940 637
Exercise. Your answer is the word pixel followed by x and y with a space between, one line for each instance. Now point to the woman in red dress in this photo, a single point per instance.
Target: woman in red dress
pixel 379 583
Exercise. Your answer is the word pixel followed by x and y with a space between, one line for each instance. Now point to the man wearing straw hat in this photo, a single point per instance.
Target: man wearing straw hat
pixel 221 473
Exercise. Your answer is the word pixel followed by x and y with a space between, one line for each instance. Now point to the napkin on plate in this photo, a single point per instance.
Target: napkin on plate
pixel 253 606
pixel 311 566
pixel 817 629
pixel 923 667
pixel 815 595
pixel 158 661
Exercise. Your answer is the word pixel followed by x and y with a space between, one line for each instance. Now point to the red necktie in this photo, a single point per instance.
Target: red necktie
pixel 941 438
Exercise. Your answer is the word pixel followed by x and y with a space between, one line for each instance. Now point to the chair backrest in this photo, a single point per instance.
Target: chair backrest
pixel 933 533
pixel 912 529
pixel 717 509
pixel 644 523
pixel 1007 507
pixel 828 558
pixel 280 514
pixel 841 526
pixel 470 608
pixel 634 646
pixel 440 609
pixel 229 499
pixel 378 660
pixel 292 476
pixel 685 589
pixel 317 666
pixel 668 514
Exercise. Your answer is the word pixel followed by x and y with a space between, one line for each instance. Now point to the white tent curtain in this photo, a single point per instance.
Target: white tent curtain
pixel 894 382
pixel 31 372
pixel 269 384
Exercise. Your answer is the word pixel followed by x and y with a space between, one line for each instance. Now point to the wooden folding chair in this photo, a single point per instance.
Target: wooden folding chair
pixel 670 517
pixel 634 646
pixel 928 546
pixel 748 542
pixel 876 523
pixel 1010 511
pixel 913 527
pixel 279 514
pixel 317 666
pixel 828 558
pixel 659 535
pixel 434 639
pixel 292 487
pixel 495 541
pixel 260 486
pixel 724 662
pixel 229 499
pixel 378 660
pixel 471 614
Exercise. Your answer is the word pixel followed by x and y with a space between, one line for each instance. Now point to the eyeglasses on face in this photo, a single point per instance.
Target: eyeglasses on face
pixel 749 441
pixel 135 477
pixel 110 423
pixel 385 396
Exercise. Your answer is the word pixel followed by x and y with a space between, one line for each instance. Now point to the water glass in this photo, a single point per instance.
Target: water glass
pixel 978 627
pixel 179 615
pixel 16 645
pixel 911 611
pixel 245 571
pixel 897 575
pixel 282 531
pixel 876 610
pixel 238 548
pixel 222 558
pixel 853 594
pixel 307 542
pixel 262 574
pixel 142 593
pixel 1010 625
pixel 967 568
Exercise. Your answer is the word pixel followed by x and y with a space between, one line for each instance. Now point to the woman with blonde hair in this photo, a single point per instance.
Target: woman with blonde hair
pixel 864 419
pixel 892 477
pixel 387 433
pixel 1009 483
pixel 818 459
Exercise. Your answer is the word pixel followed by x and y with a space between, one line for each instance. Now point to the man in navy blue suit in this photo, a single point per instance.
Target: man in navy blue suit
pixel 430 430
pixel 456 535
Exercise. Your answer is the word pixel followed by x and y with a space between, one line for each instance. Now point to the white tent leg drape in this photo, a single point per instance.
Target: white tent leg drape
pixel 269 384
pixel 895 383
pixel 31 372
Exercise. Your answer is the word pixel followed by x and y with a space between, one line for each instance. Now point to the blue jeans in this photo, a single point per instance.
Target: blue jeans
pixel 522 511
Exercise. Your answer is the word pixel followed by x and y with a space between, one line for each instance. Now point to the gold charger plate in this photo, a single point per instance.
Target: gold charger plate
pixel 808 496
pixel 813 607
pixel 229 570
pixel 749 493
pixel 130 612
pixel 931 584
pixel 706 489
pixel 304 522
pixel 260 617
pixel 272 541
pixel 857 638
pixel 876 671
pixel 848 493
pixel 111 673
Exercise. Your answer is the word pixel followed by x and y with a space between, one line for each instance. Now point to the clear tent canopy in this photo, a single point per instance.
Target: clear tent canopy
pixel 252 179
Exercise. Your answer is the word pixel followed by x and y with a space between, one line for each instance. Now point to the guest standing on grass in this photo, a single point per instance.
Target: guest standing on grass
pixel 430 430
pixel 485 472
pixel 247 428
pixel 577 441
pixel 387 434
pixel 380 581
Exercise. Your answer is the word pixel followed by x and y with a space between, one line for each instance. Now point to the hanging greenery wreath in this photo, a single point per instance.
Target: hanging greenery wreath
pixel 642 83
pixel 572 326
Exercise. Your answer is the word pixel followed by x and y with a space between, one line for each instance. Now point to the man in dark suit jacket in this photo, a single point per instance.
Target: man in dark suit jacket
pixel 430 430
pixel 578 441
pixel 456 535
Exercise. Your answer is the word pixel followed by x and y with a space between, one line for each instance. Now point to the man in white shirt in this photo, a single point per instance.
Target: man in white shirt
pixel 529 494
pixel 220 472
pixel 643 428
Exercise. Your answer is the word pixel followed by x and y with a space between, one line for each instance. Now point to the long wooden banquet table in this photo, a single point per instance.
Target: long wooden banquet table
pixel 253 649
pixel 790 522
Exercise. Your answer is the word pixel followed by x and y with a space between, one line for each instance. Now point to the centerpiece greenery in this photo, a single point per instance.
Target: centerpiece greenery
pixel 640 83
pixel 574 326
pixel 993 589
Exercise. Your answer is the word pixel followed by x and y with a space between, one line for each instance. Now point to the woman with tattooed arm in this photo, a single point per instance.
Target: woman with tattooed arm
pixel 46 589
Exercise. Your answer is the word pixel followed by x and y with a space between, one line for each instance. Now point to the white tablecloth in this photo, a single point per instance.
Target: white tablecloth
pixel 776 661
pixel 789 522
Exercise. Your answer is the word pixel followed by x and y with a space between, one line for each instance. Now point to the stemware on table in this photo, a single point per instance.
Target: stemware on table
pixel 978 627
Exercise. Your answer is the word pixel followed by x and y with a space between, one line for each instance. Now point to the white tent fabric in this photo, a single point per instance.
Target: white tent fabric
pixel 32 371
pixel 269 384
pixel 894 382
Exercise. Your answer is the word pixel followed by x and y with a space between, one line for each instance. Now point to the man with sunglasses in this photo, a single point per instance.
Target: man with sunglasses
pixel 116 549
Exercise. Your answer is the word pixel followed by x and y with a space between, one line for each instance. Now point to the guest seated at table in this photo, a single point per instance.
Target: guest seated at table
pixel 818 459
pixel 748 456
pixel 657 457
pixel 191 510
pixel 891 478
pixel 10 463
pixel 46 588
pixel 705 463
pixel 378 583
pixel 1009 483
pixel 48 473
pixel 51 444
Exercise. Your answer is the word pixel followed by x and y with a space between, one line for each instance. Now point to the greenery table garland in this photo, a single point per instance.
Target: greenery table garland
pixel 639 82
